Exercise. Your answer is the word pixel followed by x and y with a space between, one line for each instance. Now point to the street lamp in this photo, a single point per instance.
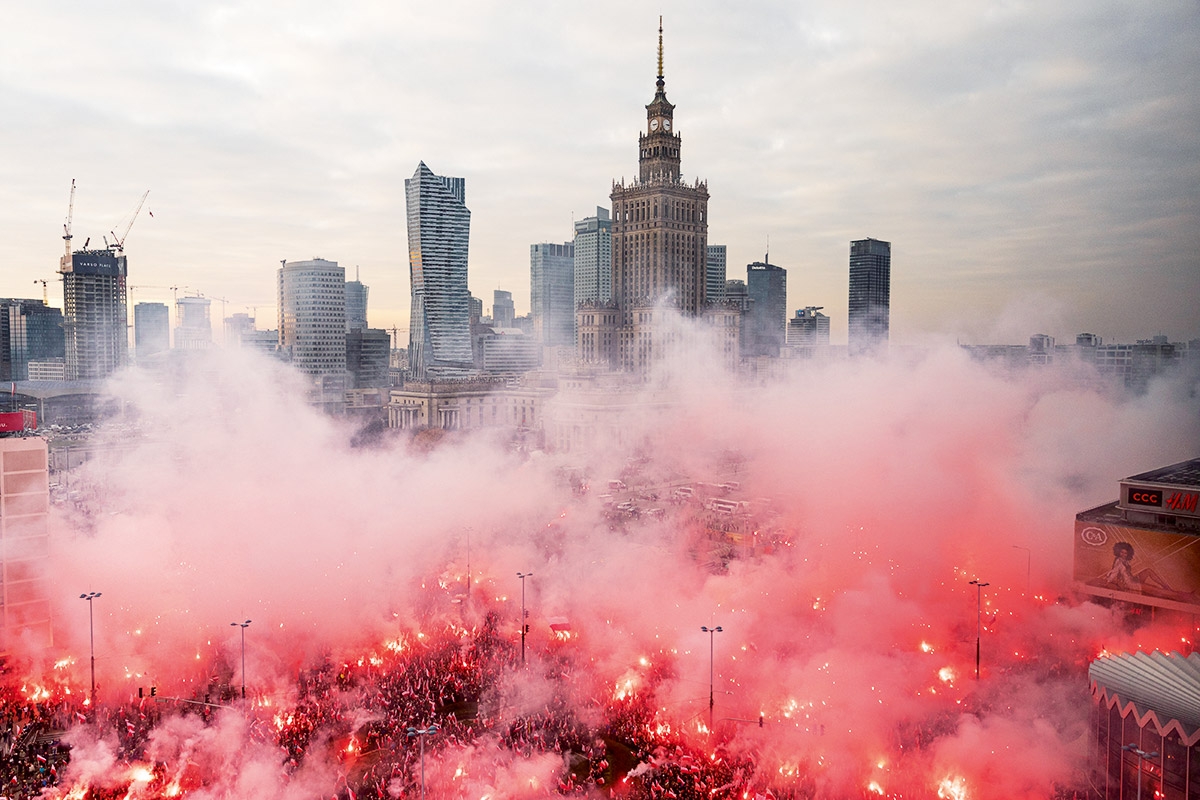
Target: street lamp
pixel 243 626
pixel 90 596
pixel 712 635
pixel 1028 564
pixel 978 620
pixel 421 733
pixel 524 625
pixel 1142 756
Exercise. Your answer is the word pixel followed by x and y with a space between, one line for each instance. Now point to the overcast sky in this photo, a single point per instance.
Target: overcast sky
pixel 1036 165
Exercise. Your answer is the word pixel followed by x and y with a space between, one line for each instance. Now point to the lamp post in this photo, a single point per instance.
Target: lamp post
pixel 524 625
pixel 90 596
pixel 712 635
pixel 1142 756
pixel 978 620
pixel 243 626
pixel 421 733
pixel 1028 564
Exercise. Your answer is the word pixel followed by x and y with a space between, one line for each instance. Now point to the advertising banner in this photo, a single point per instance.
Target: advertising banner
pixel 1136 565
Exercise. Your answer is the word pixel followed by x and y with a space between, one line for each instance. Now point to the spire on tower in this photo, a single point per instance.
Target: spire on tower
pixel 660 68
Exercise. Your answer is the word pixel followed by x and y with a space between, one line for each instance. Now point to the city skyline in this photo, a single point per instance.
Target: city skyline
pixel 1034 168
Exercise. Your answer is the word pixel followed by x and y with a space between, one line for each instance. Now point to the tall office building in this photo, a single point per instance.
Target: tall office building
pixel 94 311
pixel 809 328
pixel 193 325
pixel 151 329
pixel 29 331
pixel 660 222
pixel 767 287
pixel 714 284
pixel 593 258
pixel 367 356
pixel 552 293
pixel 503 310
pixel 312 317
pixel 236 326
pixel 356 304
pixel 439 226
pixel 870 296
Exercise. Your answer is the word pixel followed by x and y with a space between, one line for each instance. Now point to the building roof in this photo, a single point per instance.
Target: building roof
pixel 1156 687
pixel 1185 473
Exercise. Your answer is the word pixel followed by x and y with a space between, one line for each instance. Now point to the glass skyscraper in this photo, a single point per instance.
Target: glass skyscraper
pixel 767 286
pixel 552 290
pixel 593 258
pixel 439 225
pixel 870 295
pixel 714 281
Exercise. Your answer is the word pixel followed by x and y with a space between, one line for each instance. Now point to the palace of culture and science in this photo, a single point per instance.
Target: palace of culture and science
pixel 659 254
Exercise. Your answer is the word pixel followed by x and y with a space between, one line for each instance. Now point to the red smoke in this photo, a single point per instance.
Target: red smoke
pixel 845 663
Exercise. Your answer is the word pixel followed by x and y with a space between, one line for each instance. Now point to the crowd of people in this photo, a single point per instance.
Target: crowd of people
pixel 435 696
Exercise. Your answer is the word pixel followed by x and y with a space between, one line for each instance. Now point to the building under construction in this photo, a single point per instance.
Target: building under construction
pixel 94 312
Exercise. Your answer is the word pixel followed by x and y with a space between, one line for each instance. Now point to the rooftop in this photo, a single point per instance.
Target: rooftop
pixel 1185 473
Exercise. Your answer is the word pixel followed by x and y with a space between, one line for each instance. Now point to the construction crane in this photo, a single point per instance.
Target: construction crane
pixel 66 260
pixel 118 244
pixel 45 291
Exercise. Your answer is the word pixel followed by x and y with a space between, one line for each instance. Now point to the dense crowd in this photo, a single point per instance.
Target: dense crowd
pixel 360 714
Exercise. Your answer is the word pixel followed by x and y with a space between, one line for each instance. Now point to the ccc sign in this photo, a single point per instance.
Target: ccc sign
pixel 1145 497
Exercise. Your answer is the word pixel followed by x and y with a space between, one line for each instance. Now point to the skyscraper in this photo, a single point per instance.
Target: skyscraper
pixel 193 325
pixel 503 310
pixel 659 238
pixel 552 293
pixel 767 287
pixel 312 317
pixel 714 284
pixel 94 311
pixel 870 296
pixel 809 328
pixel 593 258
pixel 439 226
pixel 356 304
pixel 29 331
pixel 151 329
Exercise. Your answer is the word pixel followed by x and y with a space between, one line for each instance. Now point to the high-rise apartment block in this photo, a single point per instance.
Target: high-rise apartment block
pixel 593 258
pixel 94 311
pixel 767 287
pixel 151 329
pixel 552 293
pixel 870 296
pixel 312 317
pixel 439 226
pixel 715 273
